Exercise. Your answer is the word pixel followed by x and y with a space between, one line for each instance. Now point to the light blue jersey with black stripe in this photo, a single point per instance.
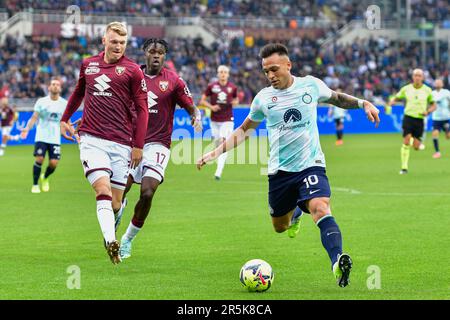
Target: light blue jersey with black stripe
pixel 442 98
pixel 291 120
pixel 50 114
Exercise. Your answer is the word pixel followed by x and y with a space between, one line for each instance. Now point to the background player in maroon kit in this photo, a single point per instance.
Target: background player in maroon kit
pixel 165 90
pixel 110 84
pixel 7 116
pixel 223 97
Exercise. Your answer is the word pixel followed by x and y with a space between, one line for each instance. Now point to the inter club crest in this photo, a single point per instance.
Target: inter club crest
pixel 163 85
pixel 120 70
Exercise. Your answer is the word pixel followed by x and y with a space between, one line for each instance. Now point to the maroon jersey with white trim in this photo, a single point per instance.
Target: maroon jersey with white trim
pixel 223 97
pixel 164 92
pixel 7 116
pixel 110 90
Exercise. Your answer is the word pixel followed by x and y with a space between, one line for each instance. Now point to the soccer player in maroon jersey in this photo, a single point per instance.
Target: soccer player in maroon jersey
pixel 7 116
pixel 110 84
pixel 223 97
pixel 165 90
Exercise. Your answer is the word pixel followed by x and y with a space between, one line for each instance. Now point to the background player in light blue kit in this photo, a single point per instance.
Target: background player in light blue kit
pixel 440 117
pixel 297 177
pixel 338 116
pixel 47 112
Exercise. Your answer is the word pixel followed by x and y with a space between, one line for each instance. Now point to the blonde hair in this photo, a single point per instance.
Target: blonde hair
pixel 223 67
pixel 418 71
pixel 117 27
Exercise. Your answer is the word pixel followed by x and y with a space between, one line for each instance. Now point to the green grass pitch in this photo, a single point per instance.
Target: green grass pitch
pixel 200 231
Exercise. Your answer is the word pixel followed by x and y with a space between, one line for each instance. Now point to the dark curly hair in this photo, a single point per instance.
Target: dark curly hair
pixel 155 41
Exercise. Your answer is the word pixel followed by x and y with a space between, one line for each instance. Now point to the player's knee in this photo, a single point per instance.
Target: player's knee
pixel 319 208
pixel 116 205
pixel 102 188
pixel 147 194
pixel 53 163
pixel 39 160
pixel 279 228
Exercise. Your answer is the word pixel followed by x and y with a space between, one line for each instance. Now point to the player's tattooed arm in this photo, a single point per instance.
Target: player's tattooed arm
pixel 343 100
pixel 346 101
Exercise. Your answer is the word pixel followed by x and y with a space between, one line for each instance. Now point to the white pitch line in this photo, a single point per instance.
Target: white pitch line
pixel 396 194
pixel 352 191
pixel 410 194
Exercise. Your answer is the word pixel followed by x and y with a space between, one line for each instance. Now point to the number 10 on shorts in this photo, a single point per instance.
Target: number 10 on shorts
pixel 311 180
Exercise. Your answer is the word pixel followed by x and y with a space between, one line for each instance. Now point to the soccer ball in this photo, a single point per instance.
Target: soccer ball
pixel 256 275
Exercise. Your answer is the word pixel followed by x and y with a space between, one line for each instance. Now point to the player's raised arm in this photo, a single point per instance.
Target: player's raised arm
pixel 236 138
pixel 346 101
pixel 77 96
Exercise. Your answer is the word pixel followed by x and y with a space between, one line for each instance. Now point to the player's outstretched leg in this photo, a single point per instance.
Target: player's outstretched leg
pixel 332 242
pixel 331 237
pixel 294 228
pixel 141 211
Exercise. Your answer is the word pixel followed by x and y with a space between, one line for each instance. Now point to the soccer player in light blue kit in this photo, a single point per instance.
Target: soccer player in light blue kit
pixel 441 116
pixel 338 115
pixel 48 112
pixel 297 178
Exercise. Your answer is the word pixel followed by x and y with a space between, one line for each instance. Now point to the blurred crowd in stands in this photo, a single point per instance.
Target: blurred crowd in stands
pixel 321 9
pixel 369 68
pixel 434 10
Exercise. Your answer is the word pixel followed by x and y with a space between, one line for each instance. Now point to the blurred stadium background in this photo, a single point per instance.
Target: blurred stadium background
pixel 329 39
pixel 339 41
